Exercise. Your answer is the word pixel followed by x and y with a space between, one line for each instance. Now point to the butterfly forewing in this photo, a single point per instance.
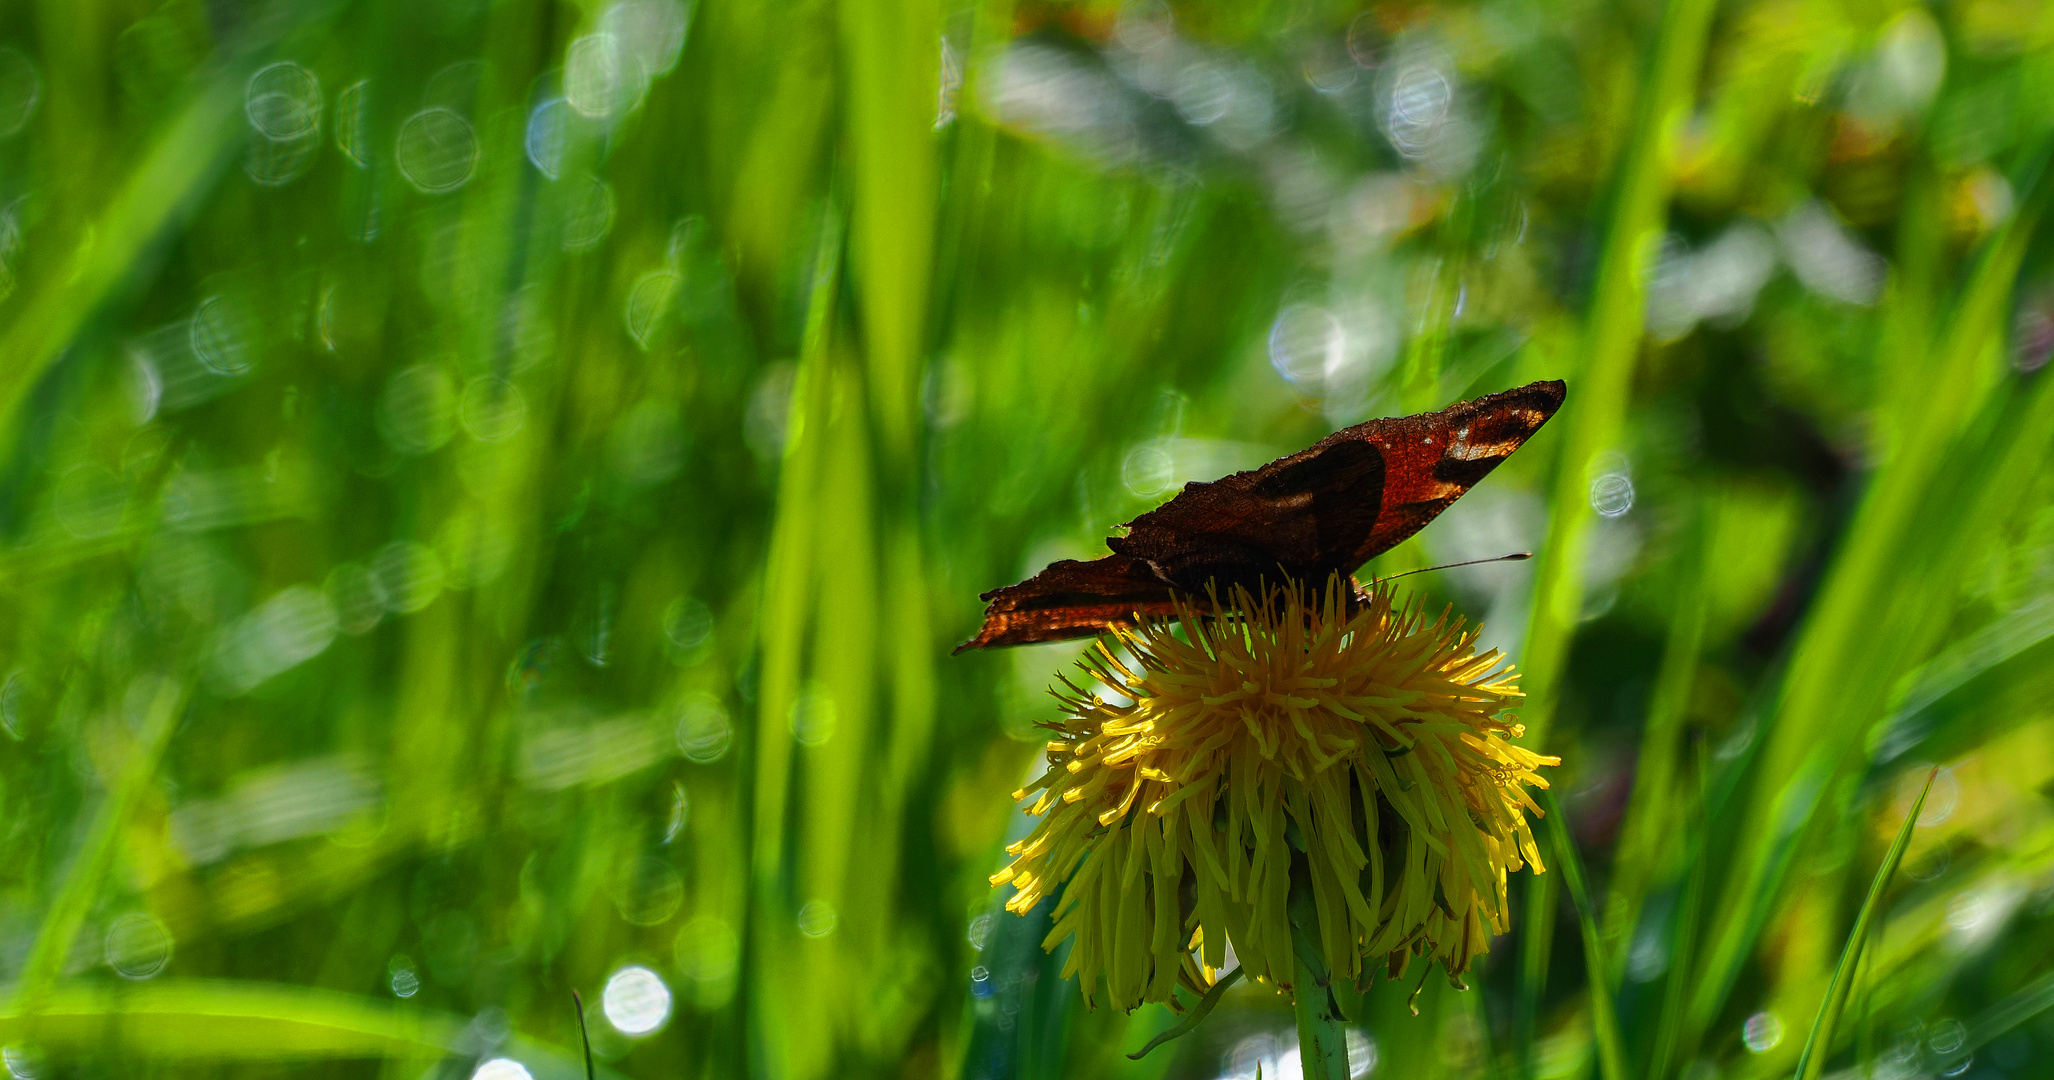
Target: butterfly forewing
pixel 1431 459
pixel 1324 510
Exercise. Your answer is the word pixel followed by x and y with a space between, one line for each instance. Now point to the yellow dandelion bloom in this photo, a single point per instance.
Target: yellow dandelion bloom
pixel 1349 745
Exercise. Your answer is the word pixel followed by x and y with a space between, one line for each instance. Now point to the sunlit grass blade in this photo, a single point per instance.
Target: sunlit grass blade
pixel 787 564
pixel 247 1020
pixel 1604 1015
pixel 1821 1038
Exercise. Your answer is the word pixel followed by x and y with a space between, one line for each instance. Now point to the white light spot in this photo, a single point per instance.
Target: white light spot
pixel 356 603
pixel 1304 343
pixel 1611 495
pixel 292 627
pixel 704 731
pixel 283 101
pixel 1145 26
pixel 603 77
pixel 1827 259
pixel 817 919
pixel 652 30
pixel 406 576
pixel 1762 1032
pixel 219 335
pixel 21 1062
pixel 1361 1053
pixel 950 84
pixel 501 1069
pixel 687 623
pixel 636 1001
pixel 548 133
pixel 437 150
pixel 404 980
pixel 1148 470
pixel 138 946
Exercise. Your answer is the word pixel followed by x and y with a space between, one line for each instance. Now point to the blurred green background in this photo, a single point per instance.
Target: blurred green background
pixel 488 488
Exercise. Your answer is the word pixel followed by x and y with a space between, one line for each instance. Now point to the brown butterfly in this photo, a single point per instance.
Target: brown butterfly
pixel 1324 510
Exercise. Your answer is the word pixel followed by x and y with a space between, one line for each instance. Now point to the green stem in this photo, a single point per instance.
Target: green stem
pixel 1322 1045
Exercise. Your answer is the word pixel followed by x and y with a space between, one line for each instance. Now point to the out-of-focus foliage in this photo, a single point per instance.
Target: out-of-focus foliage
pixel 487 491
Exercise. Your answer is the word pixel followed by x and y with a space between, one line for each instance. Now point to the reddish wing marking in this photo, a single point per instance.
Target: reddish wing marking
pixel 1327 509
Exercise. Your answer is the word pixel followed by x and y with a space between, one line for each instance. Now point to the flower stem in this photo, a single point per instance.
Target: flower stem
pixel 1322 1046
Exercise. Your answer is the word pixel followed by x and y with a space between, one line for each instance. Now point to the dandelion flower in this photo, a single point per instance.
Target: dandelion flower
pixel 1329 743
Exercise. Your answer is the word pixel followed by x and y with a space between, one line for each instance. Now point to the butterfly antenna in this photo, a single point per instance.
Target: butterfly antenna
pixel 1517 556
pixel 583 1035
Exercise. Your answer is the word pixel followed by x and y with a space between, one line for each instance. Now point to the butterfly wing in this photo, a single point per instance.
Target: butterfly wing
pixel 1324 510
pixel 1431 459
pixel 1071 599
pixel 1332 507
pixel 1304 515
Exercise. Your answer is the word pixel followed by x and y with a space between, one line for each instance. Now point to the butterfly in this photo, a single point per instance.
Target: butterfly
pixel 1324 510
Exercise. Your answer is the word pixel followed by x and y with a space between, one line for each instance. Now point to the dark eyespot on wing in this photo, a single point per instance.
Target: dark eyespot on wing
pixel 1431 459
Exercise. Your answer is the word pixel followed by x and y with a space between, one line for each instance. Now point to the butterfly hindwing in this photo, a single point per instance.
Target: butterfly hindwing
pixel 1327 509
pixel 1071 599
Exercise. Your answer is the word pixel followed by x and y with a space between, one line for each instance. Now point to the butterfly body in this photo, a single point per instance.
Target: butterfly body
pixel 1322 511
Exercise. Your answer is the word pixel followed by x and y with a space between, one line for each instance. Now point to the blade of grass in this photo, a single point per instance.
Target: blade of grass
pixel 95 856
pixel 786 580
pixel 1197 1014
pixel 584 1036
pixel 1598 393
pixel 1689 905
pixel 1862 633
pixel 1649 831
pixel 2009 1013
pixel 1596 408
pixel 893 56
pixel 1828 1017
pixel 246 1020
pixel 1604 1016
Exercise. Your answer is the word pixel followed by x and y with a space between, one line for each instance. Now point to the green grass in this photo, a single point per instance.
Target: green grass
pixel 471 565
